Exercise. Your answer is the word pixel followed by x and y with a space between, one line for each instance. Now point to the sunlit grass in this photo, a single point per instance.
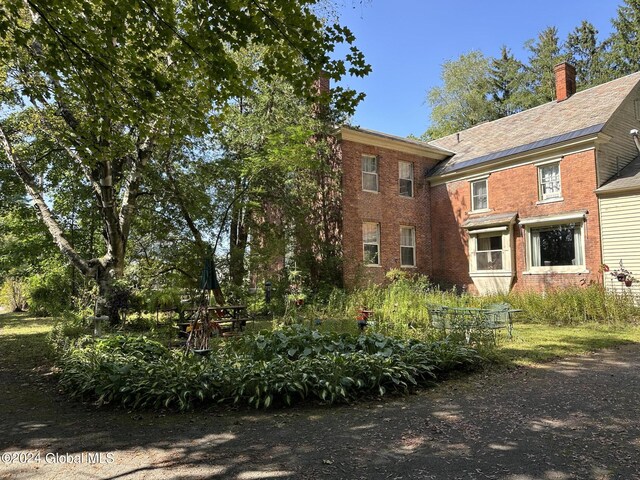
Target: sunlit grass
pixel 23 340
pixel 534 342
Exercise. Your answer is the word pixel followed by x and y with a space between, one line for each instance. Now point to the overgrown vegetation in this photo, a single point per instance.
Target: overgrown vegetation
pixel 400 307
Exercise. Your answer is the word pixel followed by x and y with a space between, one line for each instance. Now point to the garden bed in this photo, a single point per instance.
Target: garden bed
pixel 266 369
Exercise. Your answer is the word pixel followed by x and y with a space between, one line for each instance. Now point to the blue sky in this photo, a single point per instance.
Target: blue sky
pixel 406 42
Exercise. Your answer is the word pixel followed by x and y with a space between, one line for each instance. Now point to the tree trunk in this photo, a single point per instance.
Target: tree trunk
pixel 238 245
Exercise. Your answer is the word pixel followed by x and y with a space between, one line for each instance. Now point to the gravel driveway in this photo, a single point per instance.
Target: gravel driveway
pixel 575 418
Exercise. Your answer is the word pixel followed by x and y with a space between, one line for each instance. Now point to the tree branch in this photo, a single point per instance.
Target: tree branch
pixel 54 228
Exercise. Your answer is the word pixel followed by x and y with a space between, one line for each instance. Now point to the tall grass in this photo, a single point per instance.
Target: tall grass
pixel 400 307
pixel 574 306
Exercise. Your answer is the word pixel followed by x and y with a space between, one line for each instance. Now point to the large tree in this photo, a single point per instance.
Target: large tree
pixel 507 83
pixel 585 52
pixel 463 100
pixel 115 85
pixel 544 55
pixel 625 39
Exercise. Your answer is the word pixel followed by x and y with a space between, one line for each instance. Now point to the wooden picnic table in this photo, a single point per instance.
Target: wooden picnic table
pixel 233 317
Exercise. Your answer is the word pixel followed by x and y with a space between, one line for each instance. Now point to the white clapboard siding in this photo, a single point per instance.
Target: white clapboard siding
pixel 620 226
pixel 620 150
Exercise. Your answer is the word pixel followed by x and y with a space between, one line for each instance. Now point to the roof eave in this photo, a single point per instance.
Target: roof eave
pixel 383 140
pixel 526 156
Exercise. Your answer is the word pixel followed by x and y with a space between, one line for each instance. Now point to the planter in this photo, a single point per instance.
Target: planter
pixel 621 277
pixel 628 283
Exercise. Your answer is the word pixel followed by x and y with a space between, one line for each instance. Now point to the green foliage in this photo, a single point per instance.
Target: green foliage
pixel 269 368
pixel 587 54
pixel 13 294
pixel 49 292
pixel 463 99
pixel 69 329
pixel 545 53
pixel 507 84
pixel 573 306
pixel 625 39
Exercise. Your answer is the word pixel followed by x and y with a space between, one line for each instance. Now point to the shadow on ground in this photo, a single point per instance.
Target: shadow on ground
pixel 573 418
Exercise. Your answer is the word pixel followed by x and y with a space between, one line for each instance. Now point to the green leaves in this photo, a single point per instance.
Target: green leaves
pixel 140 373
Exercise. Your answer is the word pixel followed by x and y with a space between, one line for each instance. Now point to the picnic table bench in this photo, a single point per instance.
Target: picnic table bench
pixel 468 320
pixel 226 319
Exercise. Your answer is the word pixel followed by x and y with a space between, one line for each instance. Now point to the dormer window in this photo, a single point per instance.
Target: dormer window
pixel 479 195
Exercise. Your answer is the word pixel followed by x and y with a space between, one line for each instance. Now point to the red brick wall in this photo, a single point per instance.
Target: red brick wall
pixel 516 190
pixel 387 208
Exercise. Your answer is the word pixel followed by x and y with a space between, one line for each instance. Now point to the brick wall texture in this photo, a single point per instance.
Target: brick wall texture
pixel 385 207
pixel 437 213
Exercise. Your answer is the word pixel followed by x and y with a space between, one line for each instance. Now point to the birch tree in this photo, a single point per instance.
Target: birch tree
pixel 114 83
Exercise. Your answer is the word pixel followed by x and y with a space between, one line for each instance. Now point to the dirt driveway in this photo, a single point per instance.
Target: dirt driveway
pixel 577 418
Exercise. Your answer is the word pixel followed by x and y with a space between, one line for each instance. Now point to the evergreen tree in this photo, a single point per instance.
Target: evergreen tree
pixel 625 39
pixel 585 53
pixel 507 83
pixel 545 54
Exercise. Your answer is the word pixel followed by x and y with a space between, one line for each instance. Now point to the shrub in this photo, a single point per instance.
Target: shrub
pixel 67 331
pixel 50 292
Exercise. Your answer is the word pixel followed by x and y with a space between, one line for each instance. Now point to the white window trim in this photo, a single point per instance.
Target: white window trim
pixel 364 253
pixel 542 270
pixel 412 179
pixel 376 173
pixel 507 255
pixel 541 197
pixel 414 265
pixel 473 207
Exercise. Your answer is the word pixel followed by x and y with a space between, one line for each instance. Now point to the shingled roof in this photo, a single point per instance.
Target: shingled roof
pixel 584 113
pixel 627 179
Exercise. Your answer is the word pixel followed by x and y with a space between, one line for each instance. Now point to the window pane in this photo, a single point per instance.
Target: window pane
pixel 550 181
pixel 371 254
pixel 406 188
pixel 369 164
pixel 370 233
pixel 557 246
pixel 406 170
pixel 489 260
pixel 370 181
pixel 406 256
pixel 407 237
pixel 479 195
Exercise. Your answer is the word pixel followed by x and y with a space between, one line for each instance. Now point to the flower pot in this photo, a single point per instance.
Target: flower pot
pixel 628 283
pixel 621 277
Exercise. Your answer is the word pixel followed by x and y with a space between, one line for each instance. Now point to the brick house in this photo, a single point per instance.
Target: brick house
pixel 508 204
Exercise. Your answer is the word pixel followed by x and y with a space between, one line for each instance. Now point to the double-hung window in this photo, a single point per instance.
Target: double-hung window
pixel 371 243
pixel 489 252
pixel 405 174
pixel 370 173
pixel 479 195
pixel 407 246
pixel 549 181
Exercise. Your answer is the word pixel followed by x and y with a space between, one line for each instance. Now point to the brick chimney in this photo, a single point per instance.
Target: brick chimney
pixel 322 85
pixel 565 80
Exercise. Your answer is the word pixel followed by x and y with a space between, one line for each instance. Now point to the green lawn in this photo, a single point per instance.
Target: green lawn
pixel 539 343
pixel 23 341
